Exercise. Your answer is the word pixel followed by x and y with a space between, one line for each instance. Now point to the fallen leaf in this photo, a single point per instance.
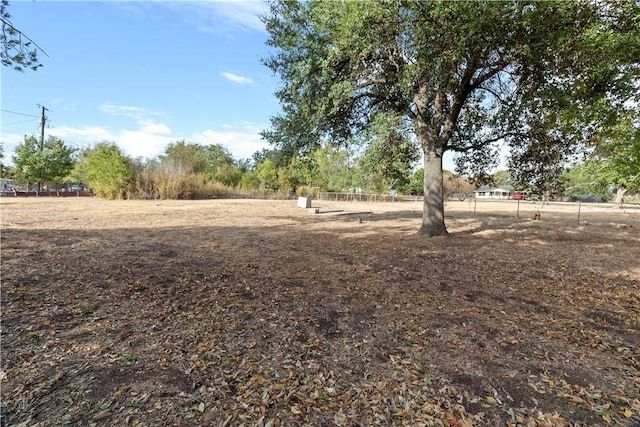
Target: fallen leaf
pixel 101 415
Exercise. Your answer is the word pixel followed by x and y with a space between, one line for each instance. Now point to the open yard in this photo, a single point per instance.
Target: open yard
pixel 257 313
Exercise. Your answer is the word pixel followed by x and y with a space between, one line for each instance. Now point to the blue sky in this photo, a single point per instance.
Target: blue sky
pixel 142 74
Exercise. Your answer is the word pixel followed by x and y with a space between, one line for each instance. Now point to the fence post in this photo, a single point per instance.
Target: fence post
pixel 579 206
pixel 518 210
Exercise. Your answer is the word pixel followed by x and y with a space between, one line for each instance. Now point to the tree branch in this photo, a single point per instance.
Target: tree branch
pixel 478 145
pixel 10 25
pixel 462 92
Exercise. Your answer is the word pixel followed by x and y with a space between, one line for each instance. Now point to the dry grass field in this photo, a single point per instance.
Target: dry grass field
pixel 258 313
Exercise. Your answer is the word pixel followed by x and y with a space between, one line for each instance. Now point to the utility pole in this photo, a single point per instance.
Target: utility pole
pixel 43 120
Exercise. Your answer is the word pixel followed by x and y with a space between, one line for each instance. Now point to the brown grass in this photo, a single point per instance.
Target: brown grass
pixel 247 312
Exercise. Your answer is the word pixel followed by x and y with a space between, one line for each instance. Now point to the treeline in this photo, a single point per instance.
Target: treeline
pixel 188 170
pixel 183 171
pixel 193 171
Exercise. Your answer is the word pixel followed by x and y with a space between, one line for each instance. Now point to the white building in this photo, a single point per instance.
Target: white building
pixel 7 184
pixel 498 193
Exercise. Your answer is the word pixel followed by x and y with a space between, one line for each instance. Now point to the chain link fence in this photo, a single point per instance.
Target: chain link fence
pixel 579 213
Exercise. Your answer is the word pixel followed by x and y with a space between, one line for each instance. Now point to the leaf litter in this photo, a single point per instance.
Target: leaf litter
pixel 255 313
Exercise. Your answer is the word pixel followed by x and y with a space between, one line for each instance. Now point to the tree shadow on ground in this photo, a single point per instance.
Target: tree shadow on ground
pixel 303 315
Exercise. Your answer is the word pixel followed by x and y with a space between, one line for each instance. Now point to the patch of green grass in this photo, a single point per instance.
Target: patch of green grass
pixel 427 379
pixel 566 324
pixel 30 336
pixel 25 355
pixel 132 357
pixel 141 287
pixel 324 398
pixel 136 288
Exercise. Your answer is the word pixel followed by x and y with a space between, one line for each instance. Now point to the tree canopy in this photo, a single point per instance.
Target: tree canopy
pixel 390 155
pixel 38 163
pixel 212 161
pixel 616 158
pixel 3 168
pixel 462 75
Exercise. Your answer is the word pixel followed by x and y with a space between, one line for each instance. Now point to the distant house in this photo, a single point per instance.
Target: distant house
pixel 487 192
pixel 7 184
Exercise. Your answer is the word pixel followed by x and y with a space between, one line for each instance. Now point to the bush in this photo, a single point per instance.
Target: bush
pixel 212 190
pixel 106 170
pixel 161 183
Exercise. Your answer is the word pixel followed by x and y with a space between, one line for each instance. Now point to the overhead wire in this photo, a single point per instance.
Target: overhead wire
pixel 74 144
pixel 15 123
pixel 20 114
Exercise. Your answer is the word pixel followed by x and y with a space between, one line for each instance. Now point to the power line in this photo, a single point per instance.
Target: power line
pixel 15 123
pixel 72 143
pixel 20 114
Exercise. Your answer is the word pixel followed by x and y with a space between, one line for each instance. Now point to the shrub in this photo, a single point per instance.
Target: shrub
pixel 106 170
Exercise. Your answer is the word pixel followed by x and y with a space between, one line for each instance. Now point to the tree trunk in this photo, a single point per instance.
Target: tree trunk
pixel 620 196
pixel 433 209
pixel 432 150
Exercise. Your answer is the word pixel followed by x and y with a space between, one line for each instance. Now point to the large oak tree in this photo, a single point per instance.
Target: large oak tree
pixel 462 74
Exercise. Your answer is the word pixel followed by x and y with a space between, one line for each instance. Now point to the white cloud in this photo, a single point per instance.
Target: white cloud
pixel 154 128
pixel 236 78
pixel 149 139
pixel 137 113
pixel 241 141
pixel 141 143
pixel 222 16
pixel 146 141
pixel 64 105
pixel 84 136
pixel 243 13
pixel 210 16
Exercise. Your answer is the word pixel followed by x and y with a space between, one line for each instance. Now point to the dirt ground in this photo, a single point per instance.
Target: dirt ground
pixel 258 313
